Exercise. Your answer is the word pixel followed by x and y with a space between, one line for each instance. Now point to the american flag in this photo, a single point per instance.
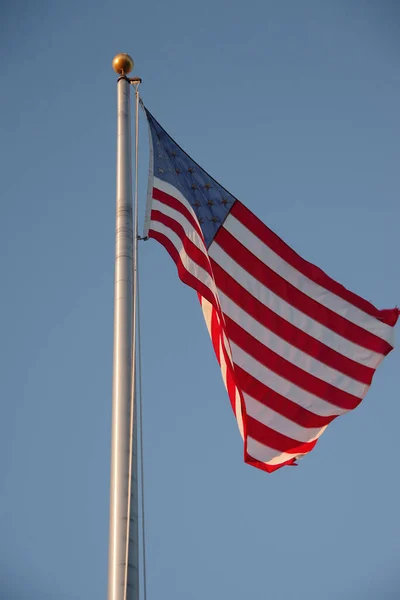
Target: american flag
pixel 296 348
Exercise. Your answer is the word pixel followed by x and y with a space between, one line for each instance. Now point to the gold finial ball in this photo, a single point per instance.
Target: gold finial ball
pixel 122 63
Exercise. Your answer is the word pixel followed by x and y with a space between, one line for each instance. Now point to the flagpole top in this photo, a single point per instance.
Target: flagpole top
pixel 122 63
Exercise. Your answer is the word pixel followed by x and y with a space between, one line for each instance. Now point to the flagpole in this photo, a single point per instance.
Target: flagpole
pixel 123 556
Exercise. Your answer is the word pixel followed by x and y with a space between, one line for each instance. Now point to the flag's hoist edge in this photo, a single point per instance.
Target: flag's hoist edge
pixel 296 349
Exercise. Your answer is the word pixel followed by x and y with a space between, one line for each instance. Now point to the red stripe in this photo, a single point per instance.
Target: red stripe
pixel 193 252
pixel 216 334
pixel 283 406
pixel 230 374
pixel 271 438
pixel 259 229
pixel 172 202
pixel 183 273
pixel 231 386
pixel 288 370
pixel 288 332
pixel 295 297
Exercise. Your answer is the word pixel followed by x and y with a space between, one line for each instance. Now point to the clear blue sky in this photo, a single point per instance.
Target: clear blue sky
pixel 294 107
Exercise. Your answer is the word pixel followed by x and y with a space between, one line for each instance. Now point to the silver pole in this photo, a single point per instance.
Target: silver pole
pixel 123 563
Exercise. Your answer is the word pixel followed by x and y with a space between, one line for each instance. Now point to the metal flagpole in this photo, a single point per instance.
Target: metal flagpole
pixel 123 575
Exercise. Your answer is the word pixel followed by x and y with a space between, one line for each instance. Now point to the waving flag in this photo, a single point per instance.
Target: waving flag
pixel 296 348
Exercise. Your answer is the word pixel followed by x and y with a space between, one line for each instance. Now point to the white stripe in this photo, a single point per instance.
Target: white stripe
pixel 190 231
pixel 288 352
pixel 304 284
pixel 291 314
pixel 189 264
pixel 285 388
pixel 267 455
pixel 279 423
pixel 238 412
pixel 171 190
pixel 207 309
